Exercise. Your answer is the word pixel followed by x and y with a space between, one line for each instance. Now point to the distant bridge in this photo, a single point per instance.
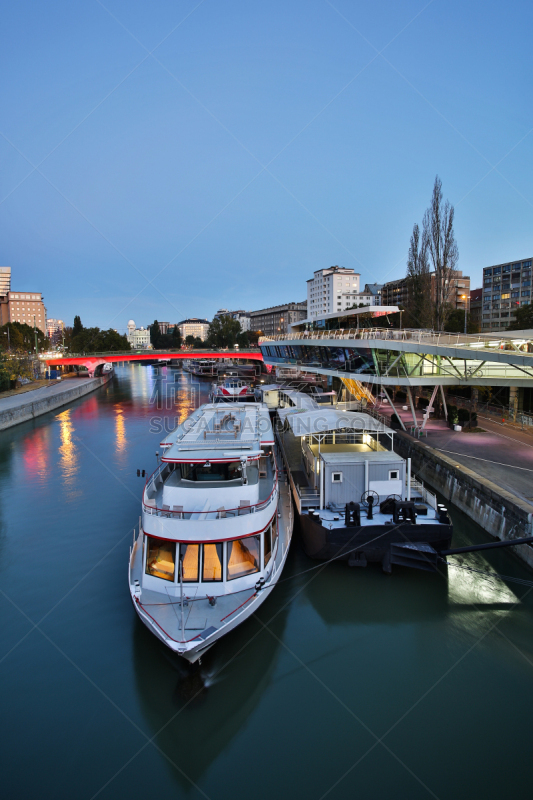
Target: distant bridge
pixel 94 362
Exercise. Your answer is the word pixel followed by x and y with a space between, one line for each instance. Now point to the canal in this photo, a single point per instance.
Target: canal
pixel 348 683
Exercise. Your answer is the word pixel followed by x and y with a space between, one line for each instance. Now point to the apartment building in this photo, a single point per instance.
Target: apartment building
pixel 331 290
pixel 505 288
pixel 54 330
pixel 277 319
pixel 242 317
pixel 194 327
pixel 396 293
pixel 25 307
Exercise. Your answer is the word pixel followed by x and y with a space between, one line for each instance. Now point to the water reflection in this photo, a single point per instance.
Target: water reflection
pixel 196 712
pixel 36 453
pixel 68 454
pixel 120 430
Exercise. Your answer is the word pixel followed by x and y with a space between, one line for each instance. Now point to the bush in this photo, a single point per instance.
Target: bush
pixel 401 396
pixel 453 416
pixel 423 402
pixel 395 422
pixel 463 415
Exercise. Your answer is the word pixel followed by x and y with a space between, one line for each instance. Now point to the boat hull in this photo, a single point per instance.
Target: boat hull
pixel 368 543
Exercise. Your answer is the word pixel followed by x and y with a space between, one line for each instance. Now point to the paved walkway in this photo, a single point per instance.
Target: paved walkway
pixel 502 453
pixel 53 388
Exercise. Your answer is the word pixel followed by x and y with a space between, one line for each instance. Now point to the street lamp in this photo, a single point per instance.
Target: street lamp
pixel 463 297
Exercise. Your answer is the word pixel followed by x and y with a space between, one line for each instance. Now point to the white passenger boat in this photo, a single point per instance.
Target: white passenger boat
pixel 232 390
pixel 216 527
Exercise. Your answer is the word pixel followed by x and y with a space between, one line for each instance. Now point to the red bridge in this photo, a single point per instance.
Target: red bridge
pixel 96 361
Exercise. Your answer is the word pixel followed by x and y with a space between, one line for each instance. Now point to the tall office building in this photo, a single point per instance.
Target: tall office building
pixel 5 281
pixel 24 307
pixel 332 289
pixel 506 287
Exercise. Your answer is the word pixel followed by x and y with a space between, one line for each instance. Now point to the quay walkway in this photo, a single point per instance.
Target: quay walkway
pixel 502 453
pixel 19 408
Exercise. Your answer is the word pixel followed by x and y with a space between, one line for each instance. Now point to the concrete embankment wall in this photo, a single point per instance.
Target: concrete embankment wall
pixel 30 410
pixel 502 514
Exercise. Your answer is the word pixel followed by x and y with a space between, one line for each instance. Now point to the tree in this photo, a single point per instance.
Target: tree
pixel 419 308
pixel 77 327
pixel 189 340
pixel 176 338
pixel 155 333
pixel 223 332
pixel 443 252
pixel 93 340
pixel 455 322
pixel 22 338
pixel 523 318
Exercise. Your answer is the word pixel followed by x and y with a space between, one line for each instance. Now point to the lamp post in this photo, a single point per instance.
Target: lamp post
pixel 463 297
pixel 8 338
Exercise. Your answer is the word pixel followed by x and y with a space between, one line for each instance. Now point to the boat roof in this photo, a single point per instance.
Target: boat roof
pixel 321 420
pixel 336 457
pixel 220 432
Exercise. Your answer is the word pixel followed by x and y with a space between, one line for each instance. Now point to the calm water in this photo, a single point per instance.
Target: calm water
pixel 349 684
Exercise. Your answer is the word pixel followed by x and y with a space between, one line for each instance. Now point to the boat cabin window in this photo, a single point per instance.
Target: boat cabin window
pixel 243 557
pixel 336 477
pixel 394 475
pixel 161 558
pixel 274 531
pixel 190 553
pixel 229 471
pixel 267 544
pixel 212 562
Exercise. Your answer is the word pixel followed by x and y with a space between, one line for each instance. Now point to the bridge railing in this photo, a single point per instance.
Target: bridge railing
pixel 153 353
pixel 443 339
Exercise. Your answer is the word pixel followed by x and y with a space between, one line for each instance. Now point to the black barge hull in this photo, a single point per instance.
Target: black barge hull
pixel 369 543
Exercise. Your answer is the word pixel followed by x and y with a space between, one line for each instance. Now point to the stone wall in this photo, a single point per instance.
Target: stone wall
pixel 23 413
pixel 500 513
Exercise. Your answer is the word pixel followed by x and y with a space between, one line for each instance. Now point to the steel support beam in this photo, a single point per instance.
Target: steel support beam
pixel 429 408
pixel 392 406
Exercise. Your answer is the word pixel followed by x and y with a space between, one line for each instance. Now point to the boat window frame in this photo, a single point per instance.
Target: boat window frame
pixel 257 536
pixel 172 545
pixel 223 559
pixel 198 572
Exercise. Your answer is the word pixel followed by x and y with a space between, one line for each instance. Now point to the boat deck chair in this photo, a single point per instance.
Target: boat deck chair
pixel 177 512
pixel 244 507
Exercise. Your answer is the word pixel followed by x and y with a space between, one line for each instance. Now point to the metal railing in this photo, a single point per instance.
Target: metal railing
pixel 443 339
pixel 210 513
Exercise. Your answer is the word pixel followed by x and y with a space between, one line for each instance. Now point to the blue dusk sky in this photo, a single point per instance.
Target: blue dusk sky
pixel 165 159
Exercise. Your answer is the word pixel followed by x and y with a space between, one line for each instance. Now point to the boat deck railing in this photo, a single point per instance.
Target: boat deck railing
pixel 178 512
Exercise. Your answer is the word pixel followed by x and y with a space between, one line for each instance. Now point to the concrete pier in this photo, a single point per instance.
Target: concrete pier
pixel 487 475
pixel 23 407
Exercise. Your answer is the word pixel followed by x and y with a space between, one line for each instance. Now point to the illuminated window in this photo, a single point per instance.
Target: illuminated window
pixel 506 296
pixel 243 557
pixel 190 553
pixel 160 559
pixel 212 562
pixel 267 545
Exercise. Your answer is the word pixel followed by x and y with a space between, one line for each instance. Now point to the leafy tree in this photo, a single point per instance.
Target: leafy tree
pixel 419 308
pixel 455 322
pixel 77 327
pixel 176 338
pixel 443 253
pixel 93 340
pixel 189 340
pixel 155 333
pixel 523 318
pixel 223 332
pixel 22 338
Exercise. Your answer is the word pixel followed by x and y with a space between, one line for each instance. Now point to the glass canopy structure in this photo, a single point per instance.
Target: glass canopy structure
pixel 407 357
